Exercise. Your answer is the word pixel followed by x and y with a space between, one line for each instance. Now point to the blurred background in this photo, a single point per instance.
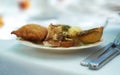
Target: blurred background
pixel 84 13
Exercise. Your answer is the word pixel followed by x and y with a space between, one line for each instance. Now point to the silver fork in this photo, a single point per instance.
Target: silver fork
pixel 111 53
pixel 95 55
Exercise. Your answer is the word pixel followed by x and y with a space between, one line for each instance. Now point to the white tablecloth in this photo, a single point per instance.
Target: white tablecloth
pixel 17 59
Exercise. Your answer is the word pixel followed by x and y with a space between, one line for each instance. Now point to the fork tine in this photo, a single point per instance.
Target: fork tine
pixel 117 39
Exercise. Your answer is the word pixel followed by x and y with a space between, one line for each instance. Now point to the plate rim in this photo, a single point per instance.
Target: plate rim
pixel 30 44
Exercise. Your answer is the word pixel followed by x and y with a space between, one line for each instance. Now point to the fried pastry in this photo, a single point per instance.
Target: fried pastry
pixel 61 36
pixel 31 32
pixel 91 35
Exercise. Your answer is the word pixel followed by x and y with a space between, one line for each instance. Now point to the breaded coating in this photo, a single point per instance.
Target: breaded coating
pixel 91 35
pixel 31 32
pixel 58 36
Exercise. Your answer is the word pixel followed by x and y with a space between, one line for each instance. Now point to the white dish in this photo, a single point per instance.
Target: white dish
pixel 30 44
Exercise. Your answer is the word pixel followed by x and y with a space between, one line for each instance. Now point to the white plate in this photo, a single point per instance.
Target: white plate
pixel 30 44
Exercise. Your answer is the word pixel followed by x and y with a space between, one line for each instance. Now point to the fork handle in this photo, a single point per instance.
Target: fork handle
pixel 95 55
pixel 103 59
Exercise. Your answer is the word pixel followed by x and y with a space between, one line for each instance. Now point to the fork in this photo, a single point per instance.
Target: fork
pixel 95 55
pixel 111 53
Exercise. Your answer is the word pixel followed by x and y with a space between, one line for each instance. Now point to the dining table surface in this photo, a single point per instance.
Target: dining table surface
pixel 19 59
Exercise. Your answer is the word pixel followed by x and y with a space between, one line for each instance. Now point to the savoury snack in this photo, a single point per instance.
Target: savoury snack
pixel 31 32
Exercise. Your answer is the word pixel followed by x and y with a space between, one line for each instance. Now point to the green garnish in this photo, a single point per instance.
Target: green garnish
pixel 65 27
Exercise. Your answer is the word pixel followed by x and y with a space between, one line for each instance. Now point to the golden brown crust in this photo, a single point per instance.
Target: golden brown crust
pixel 60 43
pixel 31 32
pixel 91 36
pixel 67 43
pixel 56 38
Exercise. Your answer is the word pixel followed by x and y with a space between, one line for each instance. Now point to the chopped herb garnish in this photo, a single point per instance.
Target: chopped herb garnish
pixel 65 27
